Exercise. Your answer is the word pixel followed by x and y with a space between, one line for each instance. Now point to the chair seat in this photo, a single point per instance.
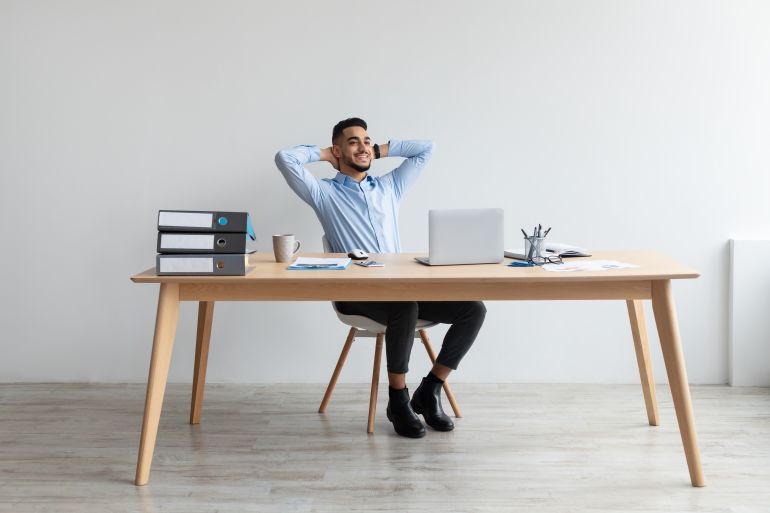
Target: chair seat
pixel 373 327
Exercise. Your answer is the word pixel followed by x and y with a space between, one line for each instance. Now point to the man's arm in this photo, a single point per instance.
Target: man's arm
pixel 291 164
pixel 417 155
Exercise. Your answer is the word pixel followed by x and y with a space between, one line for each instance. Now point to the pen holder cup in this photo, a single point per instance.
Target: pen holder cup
pixel 534 250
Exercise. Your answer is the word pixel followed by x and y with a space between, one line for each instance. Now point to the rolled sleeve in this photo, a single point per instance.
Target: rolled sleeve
pixel 291 163
pixel 417 154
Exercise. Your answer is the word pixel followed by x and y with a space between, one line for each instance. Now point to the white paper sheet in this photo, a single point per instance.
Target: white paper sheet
pixel 588 265
pixel 331 262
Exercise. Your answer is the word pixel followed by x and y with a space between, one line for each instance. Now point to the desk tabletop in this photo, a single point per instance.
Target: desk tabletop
pixel 403 267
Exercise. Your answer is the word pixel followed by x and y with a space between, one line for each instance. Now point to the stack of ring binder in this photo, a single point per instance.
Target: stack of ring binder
pixel 192 242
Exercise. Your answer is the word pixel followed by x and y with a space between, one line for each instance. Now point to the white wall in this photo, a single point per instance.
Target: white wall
pixel 636 125
pixel 748 322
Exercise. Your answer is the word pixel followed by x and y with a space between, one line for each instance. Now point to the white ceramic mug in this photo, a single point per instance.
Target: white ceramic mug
pixel 285 247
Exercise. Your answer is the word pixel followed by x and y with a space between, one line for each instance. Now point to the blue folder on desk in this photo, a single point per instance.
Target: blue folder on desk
pixel 316 264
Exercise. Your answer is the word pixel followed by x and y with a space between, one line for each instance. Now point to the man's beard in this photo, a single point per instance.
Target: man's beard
pixel 360 169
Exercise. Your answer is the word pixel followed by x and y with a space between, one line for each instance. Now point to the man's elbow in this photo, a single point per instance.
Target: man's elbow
pixel 286 162
pixel 281 159
pixel 428 148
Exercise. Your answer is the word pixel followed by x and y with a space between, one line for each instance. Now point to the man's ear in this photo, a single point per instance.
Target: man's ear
pixel 336 151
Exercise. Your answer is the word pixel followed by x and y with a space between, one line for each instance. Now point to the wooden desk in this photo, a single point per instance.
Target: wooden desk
pixel 403 279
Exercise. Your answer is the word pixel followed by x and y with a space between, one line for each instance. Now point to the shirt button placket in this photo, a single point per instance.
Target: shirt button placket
pixel 377 236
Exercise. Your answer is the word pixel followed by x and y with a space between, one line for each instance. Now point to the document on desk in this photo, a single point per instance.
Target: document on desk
pixel 329 264
pixel 588 265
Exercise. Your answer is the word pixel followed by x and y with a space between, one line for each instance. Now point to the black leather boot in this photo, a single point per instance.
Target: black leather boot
pixel 404 420
pixel 427 401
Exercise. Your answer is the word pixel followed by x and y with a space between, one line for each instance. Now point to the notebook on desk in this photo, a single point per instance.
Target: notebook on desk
pixel 553 248
pixel 464 236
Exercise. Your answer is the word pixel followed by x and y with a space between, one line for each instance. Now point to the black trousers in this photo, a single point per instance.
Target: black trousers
pixel 400 317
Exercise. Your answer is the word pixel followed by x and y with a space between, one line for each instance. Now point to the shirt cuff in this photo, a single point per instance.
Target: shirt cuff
pixel 394 148
pixel 314 152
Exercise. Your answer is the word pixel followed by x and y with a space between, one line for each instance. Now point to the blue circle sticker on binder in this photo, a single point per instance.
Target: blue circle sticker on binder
pixel 222 221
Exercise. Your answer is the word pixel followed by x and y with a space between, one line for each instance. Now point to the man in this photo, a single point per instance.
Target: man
pixel 358 210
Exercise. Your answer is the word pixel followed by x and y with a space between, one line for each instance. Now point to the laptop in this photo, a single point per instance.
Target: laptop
pixel 464 236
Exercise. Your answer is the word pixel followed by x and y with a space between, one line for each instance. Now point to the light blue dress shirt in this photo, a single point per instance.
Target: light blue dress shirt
pixel 356 215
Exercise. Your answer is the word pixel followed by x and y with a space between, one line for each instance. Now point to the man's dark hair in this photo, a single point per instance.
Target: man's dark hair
pixel 346 123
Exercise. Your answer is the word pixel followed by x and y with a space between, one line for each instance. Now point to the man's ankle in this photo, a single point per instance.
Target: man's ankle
pixel 397 381
pixel 432 378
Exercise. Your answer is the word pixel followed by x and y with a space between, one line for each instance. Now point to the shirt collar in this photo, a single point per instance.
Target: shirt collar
pixel 344 179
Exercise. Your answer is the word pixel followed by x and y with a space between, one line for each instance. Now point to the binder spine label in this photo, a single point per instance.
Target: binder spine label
pixel 186 241
pixel 186 219
pixel 186 265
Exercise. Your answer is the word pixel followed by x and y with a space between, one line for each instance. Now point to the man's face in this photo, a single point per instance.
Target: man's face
pixel 355 148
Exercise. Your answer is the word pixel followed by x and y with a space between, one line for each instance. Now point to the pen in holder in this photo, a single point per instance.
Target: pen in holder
pixel 533 248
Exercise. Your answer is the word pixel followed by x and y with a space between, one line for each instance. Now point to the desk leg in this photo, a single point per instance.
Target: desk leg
pixel 642 348
pixel 162 345
pixel 202 339
pixel 668 332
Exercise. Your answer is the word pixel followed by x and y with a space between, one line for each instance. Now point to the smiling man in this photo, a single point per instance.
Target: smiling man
pixel 357 210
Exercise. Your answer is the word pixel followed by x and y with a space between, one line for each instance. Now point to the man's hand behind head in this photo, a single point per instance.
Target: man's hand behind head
pixel 328 156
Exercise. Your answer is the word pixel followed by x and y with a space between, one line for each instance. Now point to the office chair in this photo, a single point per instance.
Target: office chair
pixel 364 327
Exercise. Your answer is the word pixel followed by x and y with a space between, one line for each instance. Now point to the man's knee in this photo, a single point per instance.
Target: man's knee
pixel 407 311
pixel 477 310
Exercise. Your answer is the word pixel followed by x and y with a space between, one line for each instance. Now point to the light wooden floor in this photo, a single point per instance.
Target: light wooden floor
pixel 552 448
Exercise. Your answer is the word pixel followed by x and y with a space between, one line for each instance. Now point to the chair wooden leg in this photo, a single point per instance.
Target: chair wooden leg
pixel 447 390
pixel 202 340
pixel 375 382
pixel 338 369
pixel 642 348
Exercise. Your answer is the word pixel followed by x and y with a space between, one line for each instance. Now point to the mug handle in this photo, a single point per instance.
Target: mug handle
pixel 296 248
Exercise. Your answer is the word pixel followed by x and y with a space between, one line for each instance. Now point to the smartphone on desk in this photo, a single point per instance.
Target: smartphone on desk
pixel 370 263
